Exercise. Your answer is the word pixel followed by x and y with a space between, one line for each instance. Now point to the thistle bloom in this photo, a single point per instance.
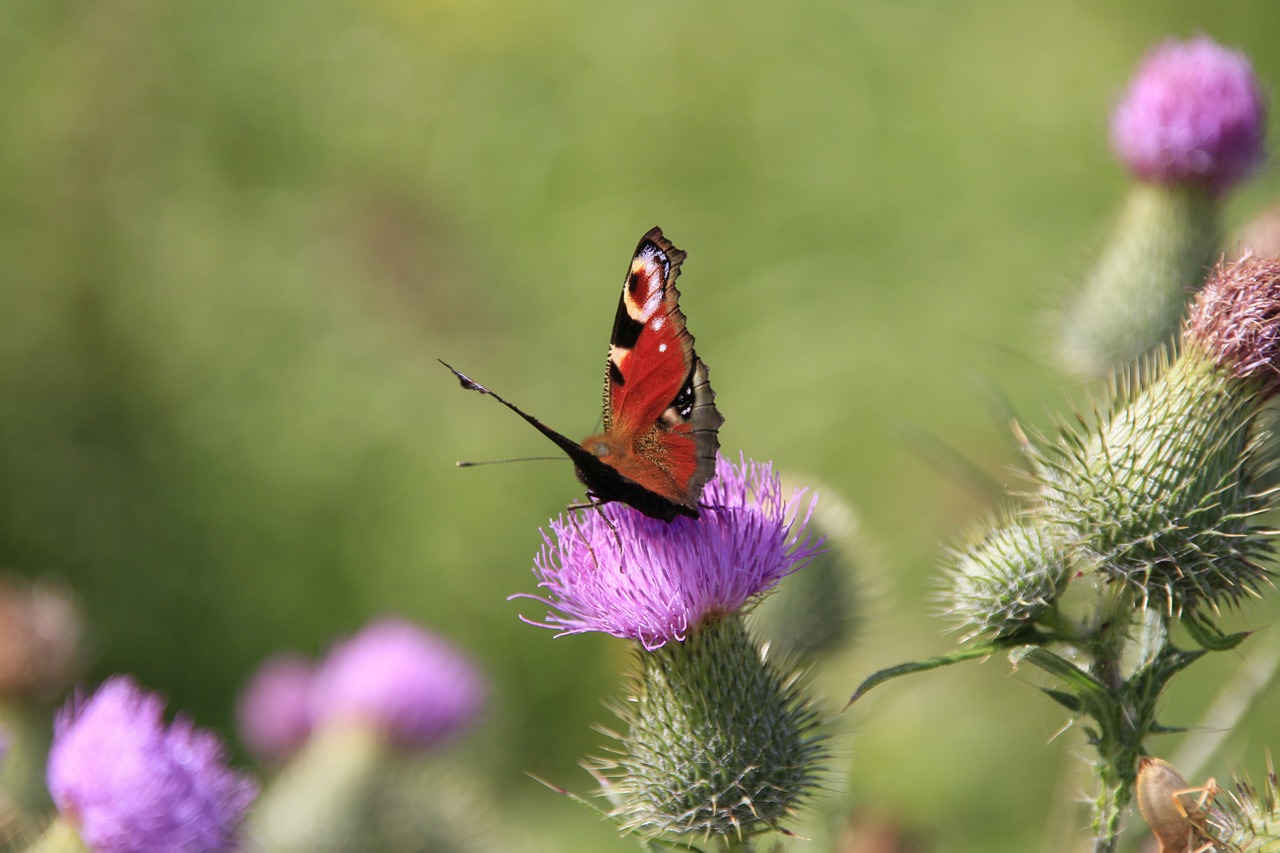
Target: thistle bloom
pixel 413 685
pixel 1190 128
pixel 669 577
pixel 1194 114
pixel 718 740
pixel 131 784
pixel 274 713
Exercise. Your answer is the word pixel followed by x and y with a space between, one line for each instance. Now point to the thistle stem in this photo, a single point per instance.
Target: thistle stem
pixel 1119 743
pixel 1113 796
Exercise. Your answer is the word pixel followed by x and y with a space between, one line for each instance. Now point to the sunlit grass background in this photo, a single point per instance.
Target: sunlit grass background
pixel 237 235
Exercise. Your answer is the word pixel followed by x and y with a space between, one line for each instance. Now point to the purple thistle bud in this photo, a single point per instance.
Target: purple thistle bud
pixel 1194 114
pixel 671 577
pixel 414 685
pixel 1236 320
pixel 132 785
pixel 274 713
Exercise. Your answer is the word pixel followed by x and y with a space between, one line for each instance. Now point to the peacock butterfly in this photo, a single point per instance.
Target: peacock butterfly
pixel 658 447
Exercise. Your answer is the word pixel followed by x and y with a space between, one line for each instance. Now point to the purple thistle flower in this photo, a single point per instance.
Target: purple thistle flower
pixel 132 785
pixel 274 713
pixel 671 577
pixel 1193 114
pixel 414 685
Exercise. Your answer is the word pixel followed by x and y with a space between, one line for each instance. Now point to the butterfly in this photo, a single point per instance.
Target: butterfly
pixel 658 446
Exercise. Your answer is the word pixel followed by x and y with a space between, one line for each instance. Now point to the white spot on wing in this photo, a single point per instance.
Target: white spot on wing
pixel 662 347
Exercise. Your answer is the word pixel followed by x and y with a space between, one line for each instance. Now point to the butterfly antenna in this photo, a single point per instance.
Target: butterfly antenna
pixel 462 463
pixel 566 444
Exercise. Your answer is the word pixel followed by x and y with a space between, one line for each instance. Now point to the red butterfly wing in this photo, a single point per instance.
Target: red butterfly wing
pixel 660 418
pixel 658 449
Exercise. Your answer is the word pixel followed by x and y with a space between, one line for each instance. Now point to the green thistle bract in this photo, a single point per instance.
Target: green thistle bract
pixel 718 741
pixel 1005 581
pixel 1156 493
pixel 1248 820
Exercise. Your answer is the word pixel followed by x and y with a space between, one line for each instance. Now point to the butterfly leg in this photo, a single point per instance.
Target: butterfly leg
pixel 598 507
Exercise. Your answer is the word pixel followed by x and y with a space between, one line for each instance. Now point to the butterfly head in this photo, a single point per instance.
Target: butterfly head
pixel 603 447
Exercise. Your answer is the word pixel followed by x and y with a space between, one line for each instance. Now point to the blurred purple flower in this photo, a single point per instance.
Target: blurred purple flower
pixel 274 714
pixel 1193 114
pixel 132 785
pixel 412 684
pixel 670 577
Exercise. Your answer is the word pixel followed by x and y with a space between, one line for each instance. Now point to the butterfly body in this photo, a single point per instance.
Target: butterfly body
pixel 660 426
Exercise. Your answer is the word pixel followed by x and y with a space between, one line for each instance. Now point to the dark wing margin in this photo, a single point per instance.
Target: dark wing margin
pixel 641 296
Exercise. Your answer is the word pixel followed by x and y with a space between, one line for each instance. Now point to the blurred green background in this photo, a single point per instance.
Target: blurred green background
pixel 237 235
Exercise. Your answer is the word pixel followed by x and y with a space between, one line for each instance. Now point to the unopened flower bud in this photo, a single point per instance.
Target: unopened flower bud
pixel 1157 493
pixel 1246 819
pixel 1005 581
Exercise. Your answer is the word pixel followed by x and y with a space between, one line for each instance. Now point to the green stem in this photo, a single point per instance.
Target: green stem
pixel 1108 806
pixel 1119 742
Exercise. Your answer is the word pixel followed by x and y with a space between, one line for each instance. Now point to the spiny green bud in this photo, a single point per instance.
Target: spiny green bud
pixel 1004 581
pixel 1247 820
pixel 1136 295
pixel 1156 493
pixel 718 741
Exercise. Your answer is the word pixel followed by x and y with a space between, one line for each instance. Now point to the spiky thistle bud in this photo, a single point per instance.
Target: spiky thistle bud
pixel 1190 127
pixel 718 741
pixel 1247 820
pixel 1156 493
pixel 1003 582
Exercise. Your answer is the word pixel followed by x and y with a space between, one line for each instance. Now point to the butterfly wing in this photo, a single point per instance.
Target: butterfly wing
pixel 660 419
